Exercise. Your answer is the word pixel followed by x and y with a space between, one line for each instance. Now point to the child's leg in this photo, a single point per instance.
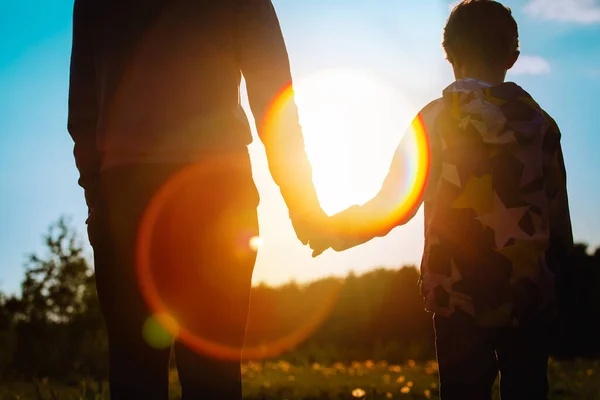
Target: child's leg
pixel 466 358
pixel 523 360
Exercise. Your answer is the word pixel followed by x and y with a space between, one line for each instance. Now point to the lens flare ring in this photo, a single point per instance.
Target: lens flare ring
pixel 417 156
pixel 164 316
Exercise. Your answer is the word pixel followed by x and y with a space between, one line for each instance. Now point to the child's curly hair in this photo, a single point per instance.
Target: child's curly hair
pixel 482 32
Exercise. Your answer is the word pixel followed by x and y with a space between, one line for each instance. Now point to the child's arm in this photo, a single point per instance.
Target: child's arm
pixel 559 249
pixel 394 204
pixel 561 233
pixel 377 217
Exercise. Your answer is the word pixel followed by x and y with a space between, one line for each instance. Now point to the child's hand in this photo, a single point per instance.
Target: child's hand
pixel 319 245
pixel 335 234
pixel 326 238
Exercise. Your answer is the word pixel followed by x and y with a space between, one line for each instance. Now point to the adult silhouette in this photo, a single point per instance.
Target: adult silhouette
pixel 155 116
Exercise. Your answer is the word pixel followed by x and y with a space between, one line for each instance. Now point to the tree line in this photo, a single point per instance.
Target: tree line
pixel 54 327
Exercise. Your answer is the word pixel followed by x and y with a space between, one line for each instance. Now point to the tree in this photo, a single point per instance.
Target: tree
pixel 7 336
pixel 579 295
pixel 59 325
pixel 55 286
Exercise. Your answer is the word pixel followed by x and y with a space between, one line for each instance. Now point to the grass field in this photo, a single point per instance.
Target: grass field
pixel 368 380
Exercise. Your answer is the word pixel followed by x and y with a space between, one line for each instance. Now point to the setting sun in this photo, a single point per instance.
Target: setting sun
pixel 352 123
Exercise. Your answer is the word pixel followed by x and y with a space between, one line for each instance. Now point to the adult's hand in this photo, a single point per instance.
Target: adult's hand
pixel 310 225
pixel 319 244
pixel 319 233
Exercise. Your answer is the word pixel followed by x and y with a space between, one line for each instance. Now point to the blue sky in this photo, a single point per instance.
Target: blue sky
pixel 397 43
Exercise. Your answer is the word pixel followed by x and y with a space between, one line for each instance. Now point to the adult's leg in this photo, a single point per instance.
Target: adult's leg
pixel 137 371
pixel 466 358
pixel 523 359
pixel 202 263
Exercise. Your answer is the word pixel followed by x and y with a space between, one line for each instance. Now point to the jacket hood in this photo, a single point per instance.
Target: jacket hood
pixel 501 114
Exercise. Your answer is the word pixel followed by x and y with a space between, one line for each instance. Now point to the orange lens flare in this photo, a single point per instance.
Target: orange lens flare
pixel 280 112
pixel 416 153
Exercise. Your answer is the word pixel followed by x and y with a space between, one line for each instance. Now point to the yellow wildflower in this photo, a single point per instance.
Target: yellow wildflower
pixel 395 368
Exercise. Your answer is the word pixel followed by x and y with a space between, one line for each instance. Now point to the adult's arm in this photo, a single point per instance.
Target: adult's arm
pixel 83 105
pixel 264 62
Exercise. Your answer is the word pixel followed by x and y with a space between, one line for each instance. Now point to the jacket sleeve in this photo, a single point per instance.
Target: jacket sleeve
pixel 83 105
pixel 264 62
pixel 555 177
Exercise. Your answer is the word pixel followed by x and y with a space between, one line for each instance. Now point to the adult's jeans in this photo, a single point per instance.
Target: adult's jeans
pixel 197 222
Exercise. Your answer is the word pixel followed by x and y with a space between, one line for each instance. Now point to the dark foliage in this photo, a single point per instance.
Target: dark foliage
pixel 55 329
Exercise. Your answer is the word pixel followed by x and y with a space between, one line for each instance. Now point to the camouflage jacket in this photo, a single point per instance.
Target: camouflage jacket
pixel 497 224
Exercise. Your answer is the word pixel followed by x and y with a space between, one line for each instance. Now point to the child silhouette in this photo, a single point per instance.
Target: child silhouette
pixel 497 224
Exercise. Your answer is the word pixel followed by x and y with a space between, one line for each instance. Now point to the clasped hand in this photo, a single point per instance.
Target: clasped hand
pixel 322 232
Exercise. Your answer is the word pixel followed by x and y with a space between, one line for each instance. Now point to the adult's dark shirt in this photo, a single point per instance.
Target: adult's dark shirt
pixel 158 81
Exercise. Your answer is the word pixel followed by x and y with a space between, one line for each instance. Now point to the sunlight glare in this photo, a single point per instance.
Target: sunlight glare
pixel 352 123
pixel 255 243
